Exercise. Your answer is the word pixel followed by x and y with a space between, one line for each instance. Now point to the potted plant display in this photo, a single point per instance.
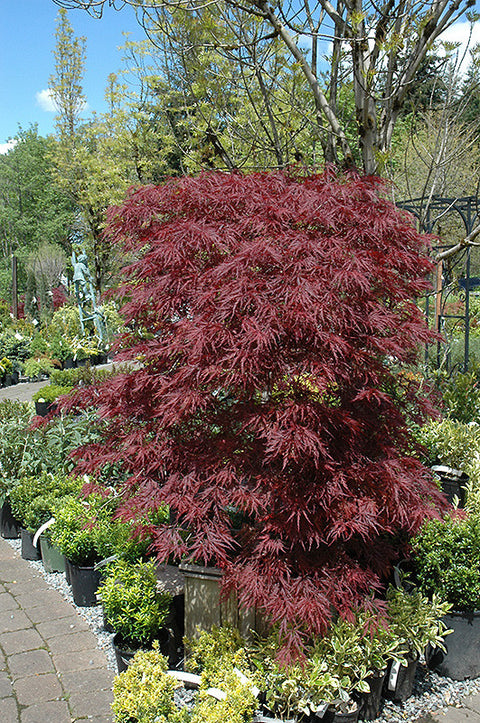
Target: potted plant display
pixel 76 534
pixel 14 421
pixel 228 688
pixel 134 608
pixel 45 398
pixel 416 622
pixel 22 497
pixel 34 500
pixel 446 555
pixel 144 691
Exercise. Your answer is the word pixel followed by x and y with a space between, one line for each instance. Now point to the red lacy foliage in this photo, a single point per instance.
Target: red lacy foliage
pixel 271 313
pixel 59 297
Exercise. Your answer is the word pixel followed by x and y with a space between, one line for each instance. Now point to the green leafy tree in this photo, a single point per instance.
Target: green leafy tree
pixel 379 48
pixel 34 210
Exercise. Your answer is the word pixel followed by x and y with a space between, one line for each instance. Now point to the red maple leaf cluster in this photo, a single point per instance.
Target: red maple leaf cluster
pixel 272 314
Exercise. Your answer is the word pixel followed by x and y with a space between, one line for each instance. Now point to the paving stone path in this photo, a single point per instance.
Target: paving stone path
pixel 51 670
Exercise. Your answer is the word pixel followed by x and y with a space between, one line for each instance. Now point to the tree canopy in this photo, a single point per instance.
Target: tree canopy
pixel 377 49
pixel 274 319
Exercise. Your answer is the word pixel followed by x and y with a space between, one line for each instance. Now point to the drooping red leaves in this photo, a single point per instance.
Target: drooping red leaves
pixel 271 314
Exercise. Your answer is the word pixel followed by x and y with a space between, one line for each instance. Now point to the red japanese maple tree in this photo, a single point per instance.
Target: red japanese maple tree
pixel 272 314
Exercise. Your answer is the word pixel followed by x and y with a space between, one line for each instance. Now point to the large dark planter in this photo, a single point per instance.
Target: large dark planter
pixel 84 582
pixel 53 560
pixel 29 551
pixel 205 608
pixel 399 681
pixel 371 703
pixel 67 572
pixel 124 654
pixel 462 659
pixel 9 525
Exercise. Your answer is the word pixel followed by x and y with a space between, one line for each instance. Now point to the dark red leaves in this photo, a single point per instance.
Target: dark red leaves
pixel 272 315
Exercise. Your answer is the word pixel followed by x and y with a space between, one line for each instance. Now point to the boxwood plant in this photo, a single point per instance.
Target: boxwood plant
pixel 132 604
pixel 446 555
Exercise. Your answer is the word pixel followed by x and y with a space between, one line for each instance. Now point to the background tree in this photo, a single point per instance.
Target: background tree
pixel 33 208
pixel 92 162
pixel 379 48
pixel 267 310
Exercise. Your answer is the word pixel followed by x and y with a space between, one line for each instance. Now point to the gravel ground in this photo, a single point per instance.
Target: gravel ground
pixel 431 691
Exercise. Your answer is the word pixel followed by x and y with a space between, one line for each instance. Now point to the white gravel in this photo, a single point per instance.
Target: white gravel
pixel 431 691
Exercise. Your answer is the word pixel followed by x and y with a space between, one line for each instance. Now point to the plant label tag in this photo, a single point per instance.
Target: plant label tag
pixel 321 710
pixel 393 677
pixel 217 693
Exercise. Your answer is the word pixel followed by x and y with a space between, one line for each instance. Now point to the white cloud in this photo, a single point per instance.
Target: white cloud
pixel 45 101
pixel 5 147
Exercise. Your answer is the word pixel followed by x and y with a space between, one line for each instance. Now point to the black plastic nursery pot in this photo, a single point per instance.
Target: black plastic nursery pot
pixel 462 659
pixel 453 483
pixel 371 703
pixel 399 681
pixel 124 653
pixel 44 408
pixel 9 525
pixel 29 551
pixel 334 716
pixel 67 572
pixel 84 582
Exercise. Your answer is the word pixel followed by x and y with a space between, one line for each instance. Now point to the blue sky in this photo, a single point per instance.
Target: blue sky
pixel 26 58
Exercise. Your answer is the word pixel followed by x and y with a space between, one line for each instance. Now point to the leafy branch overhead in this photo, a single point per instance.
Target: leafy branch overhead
pixel 375 50
pixel 273 317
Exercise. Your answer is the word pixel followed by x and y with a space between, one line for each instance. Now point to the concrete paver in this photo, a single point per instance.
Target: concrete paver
pixel 51 670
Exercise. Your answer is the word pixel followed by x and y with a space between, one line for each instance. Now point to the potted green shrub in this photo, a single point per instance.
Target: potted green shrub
pixel 14 422
pixel 34 500
pixel 37 369
pixel 135 608
pixel 145 692
pixel 45 398
pixel 446 556
pixel 415 622
pixel 228 688
pixel 21 496
pixel 75 533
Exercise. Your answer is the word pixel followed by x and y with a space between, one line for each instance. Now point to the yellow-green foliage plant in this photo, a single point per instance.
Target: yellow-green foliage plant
pixel 238 706
pixel 144 693
pixel 221 659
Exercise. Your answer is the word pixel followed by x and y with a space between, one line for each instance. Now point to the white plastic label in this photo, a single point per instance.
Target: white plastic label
pixel 393 677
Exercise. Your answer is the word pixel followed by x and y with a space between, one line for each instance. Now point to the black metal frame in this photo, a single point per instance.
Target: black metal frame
pixel 428 215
